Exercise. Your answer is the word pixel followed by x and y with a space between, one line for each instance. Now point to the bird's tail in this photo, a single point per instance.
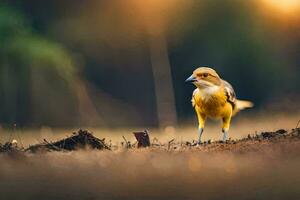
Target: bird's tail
pixel 241 105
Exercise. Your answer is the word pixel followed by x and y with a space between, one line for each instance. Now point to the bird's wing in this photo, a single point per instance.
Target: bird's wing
pixel 229 91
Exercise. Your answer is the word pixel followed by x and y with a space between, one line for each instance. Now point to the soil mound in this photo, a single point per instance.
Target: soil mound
pixel 79 140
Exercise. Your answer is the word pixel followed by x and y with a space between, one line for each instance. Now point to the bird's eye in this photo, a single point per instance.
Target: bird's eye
pixel 205 75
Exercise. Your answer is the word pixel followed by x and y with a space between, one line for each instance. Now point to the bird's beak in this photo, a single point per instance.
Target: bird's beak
pixel 190 79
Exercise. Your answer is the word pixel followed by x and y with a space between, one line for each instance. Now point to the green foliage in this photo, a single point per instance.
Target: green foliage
pixel 30 65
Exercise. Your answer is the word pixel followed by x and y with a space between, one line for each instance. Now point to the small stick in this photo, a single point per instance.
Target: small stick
pixel 125 141
pixel 55 147
pixel 298 124
pixel 169 143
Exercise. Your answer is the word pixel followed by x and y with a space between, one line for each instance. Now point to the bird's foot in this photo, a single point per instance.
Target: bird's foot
pixel 224 136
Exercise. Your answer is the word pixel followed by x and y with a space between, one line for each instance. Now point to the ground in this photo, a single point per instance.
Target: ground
pixel 259 166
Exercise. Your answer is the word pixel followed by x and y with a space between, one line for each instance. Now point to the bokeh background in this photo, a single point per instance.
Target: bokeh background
pixel 116 63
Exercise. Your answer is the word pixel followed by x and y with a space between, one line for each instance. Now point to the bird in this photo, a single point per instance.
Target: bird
pixel 214 98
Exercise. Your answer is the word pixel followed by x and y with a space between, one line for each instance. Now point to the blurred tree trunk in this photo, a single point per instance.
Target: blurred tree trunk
pixel 154 16
pixel 164 92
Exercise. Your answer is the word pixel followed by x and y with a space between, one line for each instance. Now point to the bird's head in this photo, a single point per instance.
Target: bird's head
pixel 204 77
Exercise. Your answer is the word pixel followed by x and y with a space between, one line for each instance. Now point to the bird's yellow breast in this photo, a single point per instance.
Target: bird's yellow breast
pixel 211 102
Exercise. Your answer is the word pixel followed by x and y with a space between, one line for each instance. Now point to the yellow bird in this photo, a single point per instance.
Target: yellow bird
pixel 214 98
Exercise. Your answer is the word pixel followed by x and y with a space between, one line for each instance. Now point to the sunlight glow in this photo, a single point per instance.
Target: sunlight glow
pixel 285 6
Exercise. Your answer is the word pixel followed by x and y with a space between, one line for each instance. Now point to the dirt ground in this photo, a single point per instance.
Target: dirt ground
pixel 268 172
pixel 272 173
pixel 262 166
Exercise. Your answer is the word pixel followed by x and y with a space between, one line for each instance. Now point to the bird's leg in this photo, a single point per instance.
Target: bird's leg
pixel 201 121
pixel 200 131
pixel 224 135
pixel 225 127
